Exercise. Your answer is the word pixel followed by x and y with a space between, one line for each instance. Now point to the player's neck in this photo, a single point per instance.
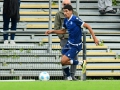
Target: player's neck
pixel 70 17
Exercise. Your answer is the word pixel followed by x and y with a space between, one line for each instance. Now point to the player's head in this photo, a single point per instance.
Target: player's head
pixel 65 2
pixel 68 10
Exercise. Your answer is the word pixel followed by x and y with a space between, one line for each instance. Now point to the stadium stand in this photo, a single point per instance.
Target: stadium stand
pixel 30 55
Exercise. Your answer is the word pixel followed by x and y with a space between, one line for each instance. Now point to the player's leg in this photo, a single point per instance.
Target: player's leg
pixel 68 61
pixel 71 55
pixel 65 67
pixel 65 60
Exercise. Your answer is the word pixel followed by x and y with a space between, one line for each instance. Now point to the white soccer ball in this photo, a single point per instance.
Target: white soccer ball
pixel 44 76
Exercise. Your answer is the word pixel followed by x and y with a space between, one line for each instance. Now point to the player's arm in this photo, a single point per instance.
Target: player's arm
pixel 92 33
pixel 61 31
pixel 82 24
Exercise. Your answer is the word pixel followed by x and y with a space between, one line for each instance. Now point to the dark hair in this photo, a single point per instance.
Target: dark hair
pixel 69 7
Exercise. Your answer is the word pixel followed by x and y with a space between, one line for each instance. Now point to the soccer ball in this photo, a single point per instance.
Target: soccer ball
pixel 44 76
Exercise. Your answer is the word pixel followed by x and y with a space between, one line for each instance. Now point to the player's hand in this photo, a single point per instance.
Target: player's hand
pixel 96 41
pixel 48 32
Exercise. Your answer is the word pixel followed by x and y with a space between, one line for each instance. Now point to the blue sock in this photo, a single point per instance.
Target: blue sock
pixel 66 70
pixel 74 62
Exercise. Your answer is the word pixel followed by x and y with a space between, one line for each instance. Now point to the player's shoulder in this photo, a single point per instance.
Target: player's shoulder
pixel 74 17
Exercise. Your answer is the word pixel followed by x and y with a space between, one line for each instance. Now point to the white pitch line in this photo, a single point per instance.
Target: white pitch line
pixel 16 80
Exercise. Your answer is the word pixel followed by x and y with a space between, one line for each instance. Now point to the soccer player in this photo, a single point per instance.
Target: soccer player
pixel 59 18
pixel 73 25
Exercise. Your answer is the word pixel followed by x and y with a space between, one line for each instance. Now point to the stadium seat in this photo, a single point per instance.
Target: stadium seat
pixel 37 6
pixel 58 40
pixel 88 47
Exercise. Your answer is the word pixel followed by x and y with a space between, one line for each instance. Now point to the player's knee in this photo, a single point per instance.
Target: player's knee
pixel 63 62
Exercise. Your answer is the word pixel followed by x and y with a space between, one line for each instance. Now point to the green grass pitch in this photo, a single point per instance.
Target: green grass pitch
pixel 62 85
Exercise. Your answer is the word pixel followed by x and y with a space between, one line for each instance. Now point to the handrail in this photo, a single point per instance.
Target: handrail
pixel 50 26
pixel 43 32
pixel 29 31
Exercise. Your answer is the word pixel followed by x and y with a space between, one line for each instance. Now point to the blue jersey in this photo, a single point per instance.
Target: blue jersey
pixel 74 26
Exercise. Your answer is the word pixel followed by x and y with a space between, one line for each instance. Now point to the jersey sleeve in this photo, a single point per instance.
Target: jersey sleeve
pixel 79 22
